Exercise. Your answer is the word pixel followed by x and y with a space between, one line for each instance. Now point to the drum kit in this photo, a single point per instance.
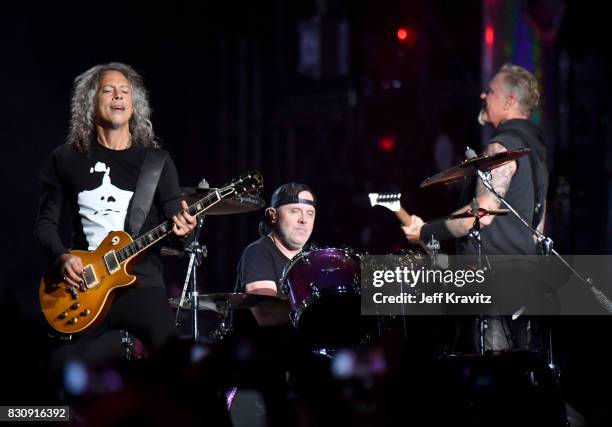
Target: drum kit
pixel 323 284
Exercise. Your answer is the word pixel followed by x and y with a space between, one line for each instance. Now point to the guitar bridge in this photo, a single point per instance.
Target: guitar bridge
pixel 112 264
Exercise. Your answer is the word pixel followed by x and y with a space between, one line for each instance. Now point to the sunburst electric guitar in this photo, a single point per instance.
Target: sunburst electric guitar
pixel 109 266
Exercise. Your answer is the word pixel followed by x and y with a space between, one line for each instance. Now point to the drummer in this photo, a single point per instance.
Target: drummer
pixel 285 228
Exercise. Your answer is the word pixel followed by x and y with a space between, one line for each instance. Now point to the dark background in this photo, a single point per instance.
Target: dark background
pixel 227 97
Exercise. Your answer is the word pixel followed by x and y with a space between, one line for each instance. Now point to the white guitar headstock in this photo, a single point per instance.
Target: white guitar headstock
pixel 390 201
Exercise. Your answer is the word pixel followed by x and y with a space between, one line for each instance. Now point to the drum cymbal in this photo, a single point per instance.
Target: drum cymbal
pixel 234 205
pixel 468 167
pixel 481 212
pixel 167 251
pixel 223 301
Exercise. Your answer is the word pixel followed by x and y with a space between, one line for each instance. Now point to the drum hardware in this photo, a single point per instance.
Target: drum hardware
pixel 480 212
pixel 197 253
pixel 223 304
pixel 474 234
pixel 127 345
pixel 433 245
pixel 220 302
pixel 470 166
pixel 167 251
pixel 481 167
pixel 315 291
pixel 438 260
pixel 485 177
pixel 239 204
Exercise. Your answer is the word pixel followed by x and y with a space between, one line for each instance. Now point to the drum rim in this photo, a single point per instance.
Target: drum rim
pixel 296 313
pixel 312 248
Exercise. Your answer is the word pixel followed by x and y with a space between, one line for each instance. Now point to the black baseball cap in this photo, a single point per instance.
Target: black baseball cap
pixel 288 193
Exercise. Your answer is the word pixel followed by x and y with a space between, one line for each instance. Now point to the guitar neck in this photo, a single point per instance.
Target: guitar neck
pixel 151 237
pixel 404 217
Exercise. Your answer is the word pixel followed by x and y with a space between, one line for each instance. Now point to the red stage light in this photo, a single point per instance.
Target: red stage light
pixel 489 35
pixel 387 143
pixel 407 35
pixel 402 34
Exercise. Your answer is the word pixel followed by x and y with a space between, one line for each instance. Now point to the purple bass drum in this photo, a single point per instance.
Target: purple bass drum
pixel 323 286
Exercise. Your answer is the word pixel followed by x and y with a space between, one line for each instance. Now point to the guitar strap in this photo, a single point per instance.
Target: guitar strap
pixel 148 178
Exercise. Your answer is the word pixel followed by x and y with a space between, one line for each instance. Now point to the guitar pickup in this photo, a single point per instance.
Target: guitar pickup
pixel 89 276
pixel 112 264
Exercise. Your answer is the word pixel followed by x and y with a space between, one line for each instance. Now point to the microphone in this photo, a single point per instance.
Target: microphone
pixel 470 153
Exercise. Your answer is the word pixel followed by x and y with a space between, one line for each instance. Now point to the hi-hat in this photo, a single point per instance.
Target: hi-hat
pixel 220 302
pixel 234 205
pixel 481 212
pixel 469 167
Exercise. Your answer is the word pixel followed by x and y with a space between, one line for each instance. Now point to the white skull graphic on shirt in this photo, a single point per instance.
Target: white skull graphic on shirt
pixel 102 209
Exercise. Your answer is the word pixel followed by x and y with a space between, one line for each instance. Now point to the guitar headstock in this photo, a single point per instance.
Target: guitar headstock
pixel 390 201
pixel 248 183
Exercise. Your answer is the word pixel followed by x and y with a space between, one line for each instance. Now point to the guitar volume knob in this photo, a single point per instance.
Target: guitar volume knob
pixel 73 321
pixel 62 315
pixel 86 312
pixel 75 306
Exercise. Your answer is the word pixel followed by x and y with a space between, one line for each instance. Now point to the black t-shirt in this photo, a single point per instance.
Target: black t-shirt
pixel 506 235
pixel 261 260
pixel 274 345
pixel 97 188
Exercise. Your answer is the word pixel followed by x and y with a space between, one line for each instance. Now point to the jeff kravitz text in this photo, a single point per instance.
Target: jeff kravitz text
pixel 435 298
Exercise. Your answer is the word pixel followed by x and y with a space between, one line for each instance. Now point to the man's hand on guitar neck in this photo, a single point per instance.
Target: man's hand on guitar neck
pixel 413 231
pixel 183 222
pixel 71 269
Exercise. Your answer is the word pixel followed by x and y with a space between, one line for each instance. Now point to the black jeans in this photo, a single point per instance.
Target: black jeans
pixel 142 311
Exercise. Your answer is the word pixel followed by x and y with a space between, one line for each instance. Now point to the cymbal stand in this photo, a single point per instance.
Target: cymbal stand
pixel 547 244
pixel 225 324
pixel 474 234
pixel 197 253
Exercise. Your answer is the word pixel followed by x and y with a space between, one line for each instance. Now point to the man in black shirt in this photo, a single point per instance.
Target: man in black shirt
pixel 95 175
pixel 508 103
pixel 285 229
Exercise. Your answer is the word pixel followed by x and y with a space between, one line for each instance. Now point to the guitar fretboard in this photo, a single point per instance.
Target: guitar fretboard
pixel 152 236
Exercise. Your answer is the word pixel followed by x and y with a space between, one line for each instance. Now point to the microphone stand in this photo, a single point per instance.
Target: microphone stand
pixel 547 244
